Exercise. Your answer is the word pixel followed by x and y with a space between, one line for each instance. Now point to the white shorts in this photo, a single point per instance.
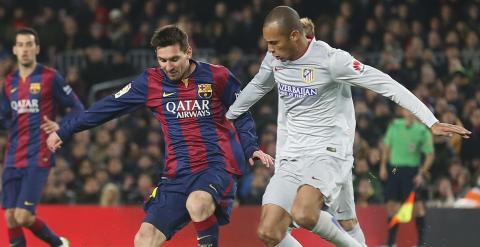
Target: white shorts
pixel 331 175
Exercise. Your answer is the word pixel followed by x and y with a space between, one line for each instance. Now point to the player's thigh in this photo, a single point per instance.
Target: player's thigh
pixel 274 220
pixel 200 205
pixel 307 203
pixel 11 187
pixel 282 188
pixel 216 190
pixel 33 183
pixel 166 211
pixel 148 236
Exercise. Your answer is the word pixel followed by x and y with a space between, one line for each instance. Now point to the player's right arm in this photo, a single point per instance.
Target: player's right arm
pixel 128 99
pixel 261 84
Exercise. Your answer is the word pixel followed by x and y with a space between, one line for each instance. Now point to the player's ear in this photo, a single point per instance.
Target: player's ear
pixel 295 35
pixel 189 52
pixel 37 50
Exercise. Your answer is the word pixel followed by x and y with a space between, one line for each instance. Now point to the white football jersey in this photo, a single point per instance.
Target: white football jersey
pixel 316 113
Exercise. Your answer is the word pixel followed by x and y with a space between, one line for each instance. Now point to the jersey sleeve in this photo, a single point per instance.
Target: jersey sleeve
pixel 244 124
pixel 131 97
pixel 261 84
pixel 346 69
pixel 63 93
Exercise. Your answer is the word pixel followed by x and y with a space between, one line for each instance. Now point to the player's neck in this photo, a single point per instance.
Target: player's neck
pixel 190 70
pixel 25 71
pixel 302 48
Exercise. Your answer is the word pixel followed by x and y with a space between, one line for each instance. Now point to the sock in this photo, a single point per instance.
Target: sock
pixel 41 230
pixel 16 237
pixel 328 228
pixel 420 223
pixel 357 234
pixel 289 240
pixel 392 233
pixel 207 232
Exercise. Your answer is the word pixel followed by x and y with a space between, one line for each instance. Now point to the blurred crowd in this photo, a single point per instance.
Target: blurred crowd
pixel 431 47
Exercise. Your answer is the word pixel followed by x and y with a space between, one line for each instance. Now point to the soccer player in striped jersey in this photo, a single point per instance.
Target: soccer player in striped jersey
pixel 205 153
pixel 29 100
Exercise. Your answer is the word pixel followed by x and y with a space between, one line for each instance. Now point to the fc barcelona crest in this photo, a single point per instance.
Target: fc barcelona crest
pixel 205 90
pixel 308 75
pixel 35 87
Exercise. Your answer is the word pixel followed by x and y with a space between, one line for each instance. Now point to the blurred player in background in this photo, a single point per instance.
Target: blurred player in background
pixel 308 28
pixel 315 136
pixel 205 153
pixel 30 95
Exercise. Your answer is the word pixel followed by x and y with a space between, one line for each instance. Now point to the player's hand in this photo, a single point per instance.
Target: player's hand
pixel 383 173
pixel 266 159
pixel 49 126
pixel 54 142
pixel 444 129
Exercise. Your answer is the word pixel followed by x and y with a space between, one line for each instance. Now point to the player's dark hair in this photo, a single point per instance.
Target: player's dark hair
pixel 25 31
pixel 286 17
pixel 169 35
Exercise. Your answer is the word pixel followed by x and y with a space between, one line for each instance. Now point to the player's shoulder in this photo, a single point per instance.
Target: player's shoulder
pixel 204 66
pixel 44 69
pixel 153 74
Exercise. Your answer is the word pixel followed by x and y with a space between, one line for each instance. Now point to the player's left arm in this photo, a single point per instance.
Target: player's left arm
pixel 63 93
pixel 346 69
pixel 244 124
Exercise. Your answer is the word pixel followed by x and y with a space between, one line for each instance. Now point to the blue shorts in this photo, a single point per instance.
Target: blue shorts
pixel 23 187
pixel 166 208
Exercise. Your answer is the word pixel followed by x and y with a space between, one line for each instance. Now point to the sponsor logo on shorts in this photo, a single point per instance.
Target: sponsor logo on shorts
pixel 27 203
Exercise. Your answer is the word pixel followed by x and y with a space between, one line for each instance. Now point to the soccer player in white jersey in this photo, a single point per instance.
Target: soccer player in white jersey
pixel 316 127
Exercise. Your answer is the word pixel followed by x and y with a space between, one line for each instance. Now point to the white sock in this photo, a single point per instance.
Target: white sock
pixel 328 228
pixel 357 234
pixel 289 240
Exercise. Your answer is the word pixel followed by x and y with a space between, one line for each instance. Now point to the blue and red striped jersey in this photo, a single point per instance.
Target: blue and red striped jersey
pixel 24 104
pixel 192 117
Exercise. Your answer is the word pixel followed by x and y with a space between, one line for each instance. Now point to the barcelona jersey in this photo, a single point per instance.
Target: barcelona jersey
pixel 192 117
pixel 24 104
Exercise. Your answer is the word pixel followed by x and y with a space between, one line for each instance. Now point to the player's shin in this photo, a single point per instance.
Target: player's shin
pixel 16 237
pixel 207 232
pixel 357 233
pixel 41 230
pixel 328 228
pixel 289 240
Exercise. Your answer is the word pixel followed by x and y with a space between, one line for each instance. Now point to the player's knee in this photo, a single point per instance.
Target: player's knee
pixel 304 217
pixel 10 218
pixel 143 239
pixel 348 225
pixel 269 235
pixel 200 206
pixel 23 218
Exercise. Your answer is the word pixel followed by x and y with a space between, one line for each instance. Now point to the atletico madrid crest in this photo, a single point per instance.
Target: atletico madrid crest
pixel 308 75
pixel 205 90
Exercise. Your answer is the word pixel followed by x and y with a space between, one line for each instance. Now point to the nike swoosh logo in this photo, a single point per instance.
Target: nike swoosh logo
pixel 13 90
pixel 211 186
pixel 165 94
pixel 315 178
pixel 277 68
pixel 27 203
pixel 340 212
pixel 202 237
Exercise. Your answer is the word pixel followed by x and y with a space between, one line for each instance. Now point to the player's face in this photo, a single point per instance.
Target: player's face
pixel 281 45
pixel 25 49
pixel 174 62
